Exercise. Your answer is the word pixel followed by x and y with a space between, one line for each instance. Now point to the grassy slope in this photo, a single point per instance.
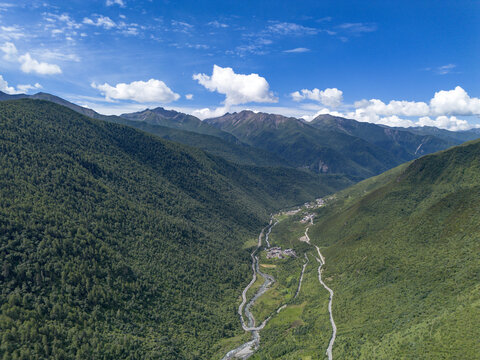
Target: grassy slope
pixel 116 244
pixel 402 257
pixel 404 262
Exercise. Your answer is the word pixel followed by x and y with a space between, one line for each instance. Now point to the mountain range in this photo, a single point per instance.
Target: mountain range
pixel 328 144
pixel 130 236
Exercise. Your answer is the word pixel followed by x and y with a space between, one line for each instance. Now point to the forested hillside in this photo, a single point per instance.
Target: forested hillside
pixel 404 261
pixel 116 244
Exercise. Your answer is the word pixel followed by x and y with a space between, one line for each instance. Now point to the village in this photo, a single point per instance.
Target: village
pixel 277 252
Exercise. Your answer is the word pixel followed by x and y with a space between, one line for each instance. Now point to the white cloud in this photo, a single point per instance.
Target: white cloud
pixel 285 28
pixel 440 112
pixel 394 107
pixel 358 28
pixel 7 89
pixel 61 20
pixel 59 55
pixel 20 88
pixel 322 112
pixel 189 96
pixel 26 88
pixel 454 102
pixel 445 122
pixel 208 113
pixel 121 3
pixel 28 65
pixel 100 21
pixel 297 50
pixel 140 91
pixel 217 24
pixel 181 26
pixel 328 97
pixel 237 88
pixel 10 51
pixel 445 69
pixel 11 32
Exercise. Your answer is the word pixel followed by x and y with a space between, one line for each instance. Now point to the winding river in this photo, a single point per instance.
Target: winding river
pixel 247 349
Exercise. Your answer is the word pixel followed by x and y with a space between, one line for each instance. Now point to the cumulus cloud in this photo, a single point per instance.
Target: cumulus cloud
pixel 140 91
pixel 100 21
pixel 121 3
pixel 445 122
pixel 394 107
pixel 20 88
pixel 189 96
pixel 237 88
pixel 441 111
pixel 323 111
pixel 454 102
pixel 329 97
pixel 209 113
pixel 7 89
pixel 27 63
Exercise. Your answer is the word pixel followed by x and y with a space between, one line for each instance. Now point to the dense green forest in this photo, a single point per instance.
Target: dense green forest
pixel 116 244
pixel 401 255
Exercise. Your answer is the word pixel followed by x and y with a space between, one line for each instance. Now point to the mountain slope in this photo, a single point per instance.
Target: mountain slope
pixel 57 100
pixel 176 120
pixel 401 255
pixel 234 151
pixel 306 146
pixel 404 144
pixel 455 136
pixel 116 244
pixel 219 143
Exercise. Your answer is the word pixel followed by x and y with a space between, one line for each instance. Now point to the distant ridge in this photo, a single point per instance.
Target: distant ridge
pixel 328 144
pixel 404 144
pixel 177 120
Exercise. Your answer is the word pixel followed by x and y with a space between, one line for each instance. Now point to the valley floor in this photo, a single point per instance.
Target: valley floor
pixel 268 296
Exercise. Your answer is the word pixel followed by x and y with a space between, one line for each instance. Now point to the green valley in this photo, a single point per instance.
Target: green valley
pixel 116 244
pixel 401 256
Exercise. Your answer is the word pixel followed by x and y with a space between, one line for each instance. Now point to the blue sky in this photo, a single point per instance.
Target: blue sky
pixel 398 63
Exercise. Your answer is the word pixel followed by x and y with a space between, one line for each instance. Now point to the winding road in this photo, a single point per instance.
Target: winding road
pixel 321 260
pixel 301 277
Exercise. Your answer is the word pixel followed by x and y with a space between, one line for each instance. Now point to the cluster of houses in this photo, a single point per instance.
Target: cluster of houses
pixel 277 252
pixel 307 218
pixel 318 203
